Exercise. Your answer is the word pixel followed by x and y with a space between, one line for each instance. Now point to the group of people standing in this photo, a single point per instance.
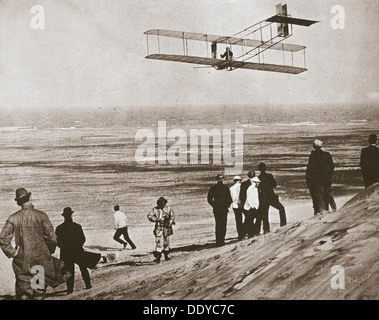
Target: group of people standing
pixel 36 240
pixel 250 201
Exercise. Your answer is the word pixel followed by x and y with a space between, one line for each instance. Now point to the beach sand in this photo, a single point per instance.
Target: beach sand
pixel 192 241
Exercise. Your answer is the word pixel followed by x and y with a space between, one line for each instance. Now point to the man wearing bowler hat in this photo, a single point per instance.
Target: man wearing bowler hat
pixel 220 199
pixel 35 242
pixel 70 239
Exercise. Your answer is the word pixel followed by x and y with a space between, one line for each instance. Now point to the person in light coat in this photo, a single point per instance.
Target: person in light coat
pixel 164 218
pixel 237 207
pixel 251 207
pixel 35 242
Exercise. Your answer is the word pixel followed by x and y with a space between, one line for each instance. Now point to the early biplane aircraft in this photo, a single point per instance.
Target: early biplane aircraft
pixel 254 41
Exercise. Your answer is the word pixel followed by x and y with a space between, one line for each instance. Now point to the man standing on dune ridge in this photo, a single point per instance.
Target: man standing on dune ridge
pixel 243 193
pixel 370 162
pixel 251 208
pixel 318 176
pixel 220 199
pixel 236 205
pixel 267 198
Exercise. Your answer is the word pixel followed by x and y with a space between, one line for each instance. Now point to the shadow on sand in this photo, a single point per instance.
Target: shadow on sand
pixel 199 247
pixel 60 293
pixel 130 263
pixel 101 248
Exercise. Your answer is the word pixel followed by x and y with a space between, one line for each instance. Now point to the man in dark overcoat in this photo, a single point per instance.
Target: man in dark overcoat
pixel 370 162
pixel 318 177
pixel 267 198
pixel 220 199
pixel 70 239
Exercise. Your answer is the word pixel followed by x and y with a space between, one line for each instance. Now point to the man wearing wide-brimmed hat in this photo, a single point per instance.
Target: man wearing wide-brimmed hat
pixel 164 218
pixel 35 242
pixel 220 199
pixel 70 239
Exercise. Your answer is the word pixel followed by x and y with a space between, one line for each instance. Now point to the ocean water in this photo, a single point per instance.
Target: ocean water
pixel 87 159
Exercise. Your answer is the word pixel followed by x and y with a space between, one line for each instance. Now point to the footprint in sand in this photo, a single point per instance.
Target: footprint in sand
pixel 328 241
pixel 324 244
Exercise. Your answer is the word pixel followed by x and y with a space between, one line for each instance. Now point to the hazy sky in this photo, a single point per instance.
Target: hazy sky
pixel 92 53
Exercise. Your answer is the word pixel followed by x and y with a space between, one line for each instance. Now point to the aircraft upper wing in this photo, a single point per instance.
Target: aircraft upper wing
pixel 224 39
pixel 290 20
pixel 227 63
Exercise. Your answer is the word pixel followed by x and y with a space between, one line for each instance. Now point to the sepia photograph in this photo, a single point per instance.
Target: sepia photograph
pixel 189 155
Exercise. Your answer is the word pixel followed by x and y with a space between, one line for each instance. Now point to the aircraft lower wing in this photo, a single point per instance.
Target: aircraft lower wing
pixel 227 63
